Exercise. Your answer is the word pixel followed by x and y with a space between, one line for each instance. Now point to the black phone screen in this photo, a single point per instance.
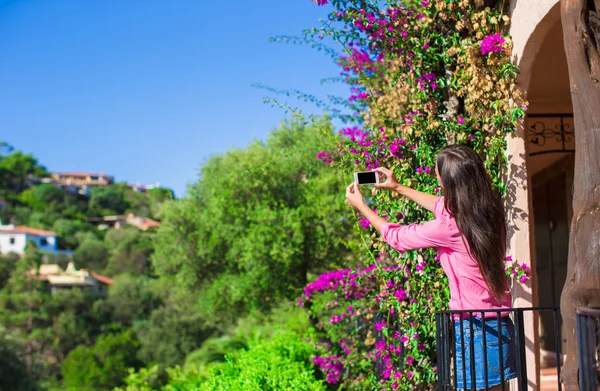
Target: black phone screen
pixel 367 177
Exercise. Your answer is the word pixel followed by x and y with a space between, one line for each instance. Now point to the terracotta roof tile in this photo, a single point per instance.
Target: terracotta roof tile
pixel 21 229
pixel 103 279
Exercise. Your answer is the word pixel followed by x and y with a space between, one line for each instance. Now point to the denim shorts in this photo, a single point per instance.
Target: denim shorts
pixel 492 350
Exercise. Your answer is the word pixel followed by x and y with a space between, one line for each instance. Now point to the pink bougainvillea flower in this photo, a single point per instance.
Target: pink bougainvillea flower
pixel 404 339
pixel 380 325
pixel 509 258
pixel 400 294
pixel 364 223
pixel 410 360
pixel 324 157
pixel 320 2
pixel 425 3
pixel 460 120
pixel 492 44
pixel 523 278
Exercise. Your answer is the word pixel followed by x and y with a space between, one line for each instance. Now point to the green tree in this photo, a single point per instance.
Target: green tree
pixel 92 254
pixel 132 298
pixel 130 250
pixel 74 320
pixel 7 266
pixel 16 167
pixel 67 230
pixel 102 366
pixel 170 334
pixel 109 200
pixel 257 223
pixel 48 204
pixel 23 309
pixel 14 375
pixel 158 197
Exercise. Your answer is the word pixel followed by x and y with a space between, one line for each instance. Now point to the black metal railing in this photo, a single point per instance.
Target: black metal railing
pixel 449 322
pixel 588 339
pixel 550 133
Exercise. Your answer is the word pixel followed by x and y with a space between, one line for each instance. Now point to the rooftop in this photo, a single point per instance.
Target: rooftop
pixel 21 229
pixel 70 276
pixel 74 173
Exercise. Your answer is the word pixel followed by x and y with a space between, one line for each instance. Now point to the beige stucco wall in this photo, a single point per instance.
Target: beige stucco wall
pixel 531 21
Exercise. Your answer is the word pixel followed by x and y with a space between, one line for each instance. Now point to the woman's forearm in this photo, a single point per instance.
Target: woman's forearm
pixel 376 221
pixel 427 201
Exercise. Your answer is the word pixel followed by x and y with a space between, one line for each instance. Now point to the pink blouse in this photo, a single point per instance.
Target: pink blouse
pixel 468 289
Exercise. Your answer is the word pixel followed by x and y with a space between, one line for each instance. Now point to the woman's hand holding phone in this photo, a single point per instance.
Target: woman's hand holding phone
pixel 390 182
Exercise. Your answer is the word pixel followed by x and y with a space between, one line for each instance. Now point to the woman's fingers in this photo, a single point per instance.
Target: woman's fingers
pixel 383 171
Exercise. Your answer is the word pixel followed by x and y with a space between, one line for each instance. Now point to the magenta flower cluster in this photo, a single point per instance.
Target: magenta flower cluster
pixel 427 80
pixel 325 157
pixel 331 366
pixel 521 272
pixel 492 44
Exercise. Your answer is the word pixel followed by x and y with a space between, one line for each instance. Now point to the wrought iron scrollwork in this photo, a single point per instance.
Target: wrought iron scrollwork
pixel 540 133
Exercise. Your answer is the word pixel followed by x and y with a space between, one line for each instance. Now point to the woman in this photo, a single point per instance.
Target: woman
pixel 470 234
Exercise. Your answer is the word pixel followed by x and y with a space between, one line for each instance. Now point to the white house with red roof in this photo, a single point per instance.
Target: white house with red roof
pixel 14 239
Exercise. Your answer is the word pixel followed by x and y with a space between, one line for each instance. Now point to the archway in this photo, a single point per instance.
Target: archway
pixel 550 146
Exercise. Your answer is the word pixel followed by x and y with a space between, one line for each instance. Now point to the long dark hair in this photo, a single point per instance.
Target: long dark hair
pixel 477 210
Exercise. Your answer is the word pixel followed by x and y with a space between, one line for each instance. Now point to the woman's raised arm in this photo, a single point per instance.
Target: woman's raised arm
pixel 427 201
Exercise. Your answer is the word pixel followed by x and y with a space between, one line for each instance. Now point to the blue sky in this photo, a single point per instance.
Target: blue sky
pixel 146 90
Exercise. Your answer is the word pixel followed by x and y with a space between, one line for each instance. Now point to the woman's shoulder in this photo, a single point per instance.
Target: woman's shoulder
pixel 439 209
pixel 442 215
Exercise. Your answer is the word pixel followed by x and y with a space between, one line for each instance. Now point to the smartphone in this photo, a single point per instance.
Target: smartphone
pixel 366 178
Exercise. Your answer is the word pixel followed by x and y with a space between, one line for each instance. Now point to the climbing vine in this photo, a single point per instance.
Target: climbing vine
pixel 422 75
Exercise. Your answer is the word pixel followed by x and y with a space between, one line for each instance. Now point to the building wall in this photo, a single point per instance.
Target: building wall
pixel 531 22
pixel 51 242
pixel 21 240
pixel 18 247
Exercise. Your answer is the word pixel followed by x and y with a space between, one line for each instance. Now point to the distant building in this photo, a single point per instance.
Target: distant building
pixel 79 182
pixel 14 239
pixel 143 188
pixel 117 222
pixel 91 282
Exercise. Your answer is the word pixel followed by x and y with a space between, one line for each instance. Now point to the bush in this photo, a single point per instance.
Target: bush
pixel 282 363
pixel 102 366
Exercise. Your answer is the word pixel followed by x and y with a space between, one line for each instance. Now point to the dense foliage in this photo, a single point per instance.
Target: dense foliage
pixel 256 226
pixel 48 333
pixel 259 223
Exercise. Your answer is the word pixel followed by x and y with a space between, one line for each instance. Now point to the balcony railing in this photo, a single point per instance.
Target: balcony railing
pixel 588 339
pixel 448 370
